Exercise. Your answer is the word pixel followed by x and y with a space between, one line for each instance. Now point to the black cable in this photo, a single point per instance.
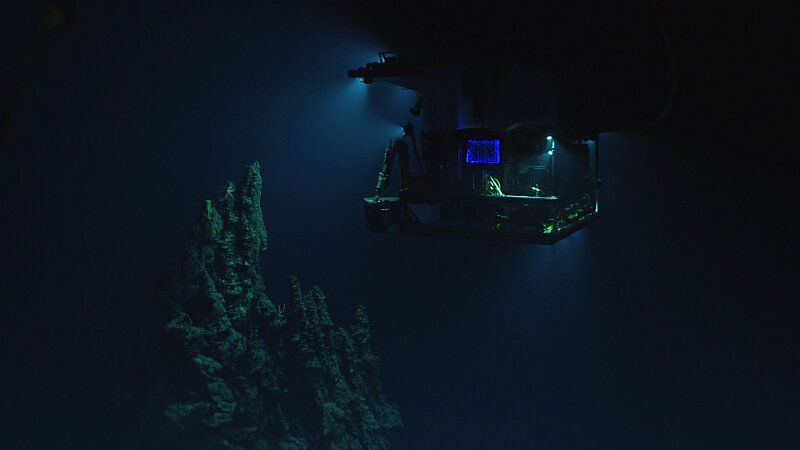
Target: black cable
pixel 673 79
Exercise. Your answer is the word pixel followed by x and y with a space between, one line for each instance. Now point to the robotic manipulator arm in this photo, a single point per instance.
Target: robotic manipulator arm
pixel 395 146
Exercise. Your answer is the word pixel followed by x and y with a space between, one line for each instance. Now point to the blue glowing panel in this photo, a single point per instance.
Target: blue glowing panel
pixel 485 151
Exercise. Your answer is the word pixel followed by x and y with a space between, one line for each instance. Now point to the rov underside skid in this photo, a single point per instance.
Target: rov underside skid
pixel 536 220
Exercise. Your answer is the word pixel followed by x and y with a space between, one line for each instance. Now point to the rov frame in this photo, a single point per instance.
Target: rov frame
pixel 537 183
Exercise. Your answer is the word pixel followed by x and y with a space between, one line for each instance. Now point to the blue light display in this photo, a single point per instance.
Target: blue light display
pixel 485 151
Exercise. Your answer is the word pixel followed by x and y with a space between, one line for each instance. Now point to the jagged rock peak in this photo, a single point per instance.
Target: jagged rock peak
pixel 243 373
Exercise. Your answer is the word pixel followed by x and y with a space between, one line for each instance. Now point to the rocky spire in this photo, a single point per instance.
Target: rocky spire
pixel 249 374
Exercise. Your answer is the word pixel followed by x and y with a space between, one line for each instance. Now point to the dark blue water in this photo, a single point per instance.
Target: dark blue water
pixel 667 324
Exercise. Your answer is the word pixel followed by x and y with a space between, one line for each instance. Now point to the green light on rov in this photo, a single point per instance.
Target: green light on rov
pixel 550 152
pixel 549 138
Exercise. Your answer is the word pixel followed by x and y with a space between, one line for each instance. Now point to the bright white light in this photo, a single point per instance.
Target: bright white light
pixel 549 138
pixel 550 152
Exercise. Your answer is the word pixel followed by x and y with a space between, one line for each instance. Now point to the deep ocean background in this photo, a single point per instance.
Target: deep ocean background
pixel 670 323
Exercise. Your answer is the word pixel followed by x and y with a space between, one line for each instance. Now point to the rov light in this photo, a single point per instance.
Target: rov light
pixel 550 152
pixel 552 144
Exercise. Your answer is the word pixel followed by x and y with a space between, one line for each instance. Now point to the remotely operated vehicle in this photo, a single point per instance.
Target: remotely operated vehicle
pixel 491 159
